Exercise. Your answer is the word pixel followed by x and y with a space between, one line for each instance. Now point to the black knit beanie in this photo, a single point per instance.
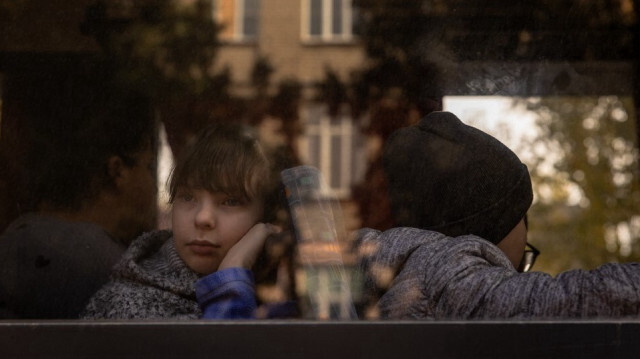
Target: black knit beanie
pixel 455 179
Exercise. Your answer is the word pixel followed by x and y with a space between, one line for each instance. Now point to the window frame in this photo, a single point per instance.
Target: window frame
pixel 326 25
pixel 237 21
pixel 326 129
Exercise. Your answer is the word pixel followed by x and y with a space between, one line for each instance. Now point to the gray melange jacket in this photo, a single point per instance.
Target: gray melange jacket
pixel 149 282
pixel 418 274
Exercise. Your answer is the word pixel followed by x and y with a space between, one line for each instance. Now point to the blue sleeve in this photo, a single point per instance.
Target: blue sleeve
pixel 227 294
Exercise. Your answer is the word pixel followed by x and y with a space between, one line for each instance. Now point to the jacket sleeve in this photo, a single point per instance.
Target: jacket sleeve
pixel 480 285
pixel 227 294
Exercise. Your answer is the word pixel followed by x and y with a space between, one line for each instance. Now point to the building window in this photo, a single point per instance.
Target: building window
pixel 327 20
pixel 325 296
pixel 239 19
pixel 334 146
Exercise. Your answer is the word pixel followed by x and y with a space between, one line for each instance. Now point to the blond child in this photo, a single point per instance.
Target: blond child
pixel 202 267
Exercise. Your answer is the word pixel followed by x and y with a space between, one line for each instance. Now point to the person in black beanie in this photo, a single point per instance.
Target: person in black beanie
pixel 459 198
pixel 479 184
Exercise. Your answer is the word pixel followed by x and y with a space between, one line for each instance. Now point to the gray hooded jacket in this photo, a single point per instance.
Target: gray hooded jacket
pixel 418 274
pixel 150 282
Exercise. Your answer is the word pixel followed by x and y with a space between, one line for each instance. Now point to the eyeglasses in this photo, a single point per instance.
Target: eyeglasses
pixel 528 258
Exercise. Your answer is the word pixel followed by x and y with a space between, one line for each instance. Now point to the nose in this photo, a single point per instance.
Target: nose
pixel 205 217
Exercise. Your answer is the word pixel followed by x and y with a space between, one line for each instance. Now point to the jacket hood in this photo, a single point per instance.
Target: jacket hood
pixel 382 255
pixel 408 272
pixel 152 260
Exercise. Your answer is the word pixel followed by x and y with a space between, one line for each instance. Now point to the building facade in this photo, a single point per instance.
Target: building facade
pixel 301 40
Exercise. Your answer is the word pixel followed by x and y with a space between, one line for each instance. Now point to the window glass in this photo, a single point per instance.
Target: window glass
pixel 315 17
pixel 564 175
pixel 331 144
pixel 328 20
pixel 314 149
pixel 336 155
pixel 250 18
pixel 336 18
pixel 98 113
pixel 239 18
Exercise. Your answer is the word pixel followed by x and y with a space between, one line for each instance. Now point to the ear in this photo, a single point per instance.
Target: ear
pixel 117 170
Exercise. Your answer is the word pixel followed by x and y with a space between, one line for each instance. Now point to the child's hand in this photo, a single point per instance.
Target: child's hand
pixel 244 253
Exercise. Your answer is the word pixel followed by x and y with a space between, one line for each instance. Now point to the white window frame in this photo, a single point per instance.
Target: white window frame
pixel 346 129
pixel 239 22
pixel 327 34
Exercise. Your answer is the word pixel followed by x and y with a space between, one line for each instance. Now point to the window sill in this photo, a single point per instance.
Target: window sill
pixel 239 42
pixel 336 42
pixel 312 339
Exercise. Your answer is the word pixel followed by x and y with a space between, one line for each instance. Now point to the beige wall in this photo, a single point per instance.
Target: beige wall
pixel 281 42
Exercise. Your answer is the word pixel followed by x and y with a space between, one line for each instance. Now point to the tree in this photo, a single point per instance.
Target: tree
pixel 585 174
pixel 167 49
pixel 396 36
pixel 396 86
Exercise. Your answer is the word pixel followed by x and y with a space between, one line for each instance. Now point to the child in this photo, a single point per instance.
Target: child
pixel 461 198
pixel 200 269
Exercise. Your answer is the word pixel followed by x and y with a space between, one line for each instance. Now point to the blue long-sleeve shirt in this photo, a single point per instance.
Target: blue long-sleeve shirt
pixel 227 294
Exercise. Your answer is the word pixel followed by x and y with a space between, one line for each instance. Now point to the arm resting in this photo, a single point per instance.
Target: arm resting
pixel 227 294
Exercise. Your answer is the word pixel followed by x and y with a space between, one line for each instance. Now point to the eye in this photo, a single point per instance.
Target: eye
pixel 233 202
pixel 185 196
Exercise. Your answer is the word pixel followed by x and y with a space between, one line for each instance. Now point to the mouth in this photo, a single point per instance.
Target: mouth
pixel 200 247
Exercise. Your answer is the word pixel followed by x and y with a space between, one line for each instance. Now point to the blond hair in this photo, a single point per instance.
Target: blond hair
pixel 224 158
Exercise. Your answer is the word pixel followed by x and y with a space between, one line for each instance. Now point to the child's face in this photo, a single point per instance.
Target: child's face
pixel 206 225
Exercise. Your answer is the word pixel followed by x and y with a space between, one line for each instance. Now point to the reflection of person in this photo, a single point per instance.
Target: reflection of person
pixel 202 268
pixel 461 198
pixel 93 188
